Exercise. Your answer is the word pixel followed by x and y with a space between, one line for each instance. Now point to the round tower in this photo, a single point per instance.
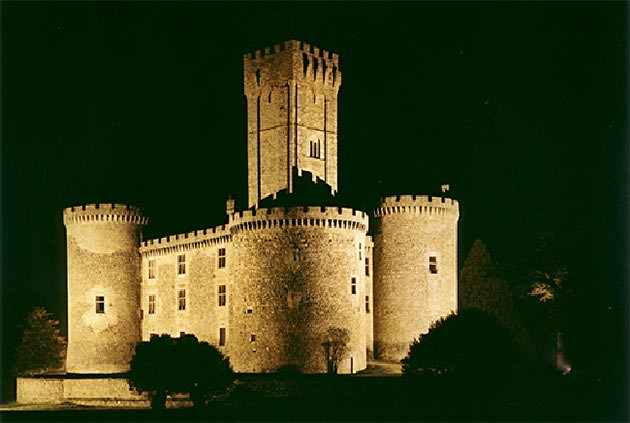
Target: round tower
pixel 415 269
pixel 300 271
pixel 103 286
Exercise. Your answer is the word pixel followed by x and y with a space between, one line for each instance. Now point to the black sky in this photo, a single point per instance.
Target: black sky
pixel 521 107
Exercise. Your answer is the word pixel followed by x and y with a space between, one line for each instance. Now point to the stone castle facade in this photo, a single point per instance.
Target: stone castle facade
pixel 267 285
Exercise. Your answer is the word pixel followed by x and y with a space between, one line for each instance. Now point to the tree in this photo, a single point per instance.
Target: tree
pixel 42 347
pixel 335 347
pixel 178 365
pixel 472 344
pixel 483 286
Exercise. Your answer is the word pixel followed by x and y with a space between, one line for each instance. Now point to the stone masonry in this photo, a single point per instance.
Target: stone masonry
pixel 266 286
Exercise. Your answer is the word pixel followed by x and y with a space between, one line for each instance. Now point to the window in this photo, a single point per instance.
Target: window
pixel 250 310
pixel 433 264
pixel 360 252
pixel 367 266
pixel 354 286
pixel 181 299
pixel 151 304
pixel 315 149
pixel 100 305
pixel 181 264
pixel 252 338
pixel 221 258
pixel 151 269
pixel 367 304
pixel 221 337
pixel 222 295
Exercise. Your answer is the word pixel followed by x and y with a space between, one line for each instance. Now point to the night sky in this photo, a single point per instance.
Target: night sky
pixel 520 107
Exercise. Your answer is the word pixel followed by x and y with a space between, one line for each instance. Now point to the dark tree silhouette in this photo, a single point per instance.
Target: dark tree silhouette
pixel 472 344
pixel 42 347
pixel 482 286
pixel 167 365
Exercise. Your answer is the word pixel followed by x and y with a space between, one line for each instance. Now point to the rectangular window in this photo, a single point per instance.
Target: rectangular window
pixel 360 251
pixel 151 269
pixel 367 304
pixel 221 337
pixel 100 305
pixel 181 299
pixel 222 295
pixel 221 258
pixel 354 286
pixel 367 266
pixel 433 264
pixel 181 264
pixel 252 338
pixel 151 304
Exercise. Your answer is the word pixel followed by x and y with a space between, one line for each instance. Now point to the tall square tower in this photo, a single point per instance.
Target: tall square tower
pixel 291 93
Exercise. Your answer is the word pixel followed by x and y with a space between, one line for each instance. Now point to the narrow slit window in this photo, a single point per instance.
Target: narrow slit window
pixel 222 295
pixel 151 269
pixel 222 337
pixel 221 258
pixel 100 305
pixel 367 266
pixel 354 286
pixel 433 266
pixel 360 251
pixel 367 304
pixel 181 264
pixel 151 304
pixel 181 299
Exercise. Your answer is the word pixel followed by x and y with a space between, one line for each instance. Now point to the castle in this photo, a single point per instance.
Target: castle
pixel 267 285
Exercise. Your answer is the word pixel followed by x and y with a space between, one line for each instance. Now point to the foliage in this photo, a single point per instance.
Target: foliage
pixel 336 347
pixel 167 365
pixel 42 347
pixel 470 344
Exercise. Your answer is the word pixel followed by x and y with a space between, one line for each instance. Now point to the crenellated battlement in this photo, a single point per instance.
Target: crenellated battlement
pixel 296 46
pixel 186 241
pixel 302 61
pixel 417 204
pixel 279 217
pixel 104 212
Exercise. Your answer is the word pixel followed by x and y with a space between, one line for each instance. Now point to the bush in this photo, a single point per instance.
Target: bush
pixel 471 344
pixel 178 365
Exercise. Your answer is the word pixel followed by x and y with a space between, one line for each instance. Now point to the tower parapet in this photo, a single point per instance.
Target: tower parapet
pixel 104 212
pixel 103 286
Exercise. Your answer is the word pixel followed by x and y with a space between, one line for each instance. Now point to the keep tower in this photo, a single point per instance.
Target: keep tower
pixel 291 92
pixel 103 286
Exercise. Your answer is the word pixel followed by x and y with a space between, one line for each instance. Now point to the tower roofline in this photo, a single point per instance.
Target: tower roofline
pixel 293 45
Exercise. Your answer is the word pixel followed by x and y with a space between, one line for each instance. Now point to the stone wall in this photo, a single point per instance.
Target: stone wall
pixel 202 316
pixel 39 390
pixel 294 270
pixel 408 297
pixel 103 261
pixel 291 93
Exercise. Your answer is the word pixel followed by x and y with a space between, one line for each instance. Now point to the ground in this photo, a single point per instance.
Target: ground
pixel 381 397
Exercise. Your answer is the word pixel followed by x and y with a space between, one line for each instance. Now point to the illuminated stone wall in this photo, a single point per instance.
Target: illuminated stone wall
pixel 291 92
pixel 408 298
pixel 288 279
pixel 294 270
pixel 202 315
pixel 103 261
